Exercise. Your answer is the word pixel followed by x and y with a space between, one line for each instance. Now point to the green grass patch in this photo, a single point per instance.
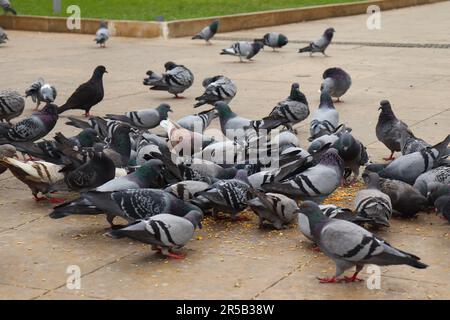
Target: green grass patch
pixel 149 10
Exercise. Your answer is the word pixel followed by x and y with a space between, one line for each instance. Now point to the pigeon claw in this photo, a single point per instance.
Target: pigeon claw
pixel 38 199
pixel 353 278
pixel 328 280
pixel 175 256
pixel 56 200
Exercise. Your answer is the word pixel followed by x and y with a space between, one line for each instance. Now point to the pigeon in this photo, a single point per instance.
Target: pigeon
pixel 6 5
pixel 442 205
pixel 217 88
pixel 325 119
pixel 6 151
pixel 336 82
pixel 373 203
pixel 351 245
pixel 274 40
pixel 288 112
pixel 208 32
pixel 175 80
pixel 32 128
pixel 406 200
pixel 408 168
pixel 321 44
pixel 40 91
pixel 228 196
pixel 119 149
pixel 94 173
pixel 50 150
pixel 410 144
pixel 11 105
pixel 3 36
pixel 164 232
pixel 277 209
pixel 102 35
pixel 144 119
pixel 40 176
pixel 324 142
pixel 130 204
pixel 352 152
pixel 198 122
pixel 436 190
pixel 440 174
pixel 149 175
pixel 389 129
pixel 188 189
pixel 88 94
pixel 315 183
pixel 243 49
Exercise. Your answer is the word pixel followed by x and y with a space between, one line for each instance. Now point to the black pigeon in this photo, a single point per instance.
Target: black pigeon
pixel 88 94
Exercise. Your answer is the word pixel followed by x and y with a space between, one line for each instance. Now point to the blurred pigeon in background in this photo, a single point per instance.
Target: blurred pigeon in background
pixel 274 40
pixel 321 44
pixel 208 32
pixel 102 35
pixel 3 36
pixel 6 5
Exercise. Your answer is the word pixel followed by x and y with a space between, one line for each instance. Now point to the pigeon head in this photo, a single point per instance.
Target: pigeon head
pixel 210 80
pixel 99 71
pixel 371 179
pixel 312 211
pixel 51 109
pixel 346 141
pixel 7 151
pixel 214 26
pixel 88 137
pixel 163 110
pixel 195 217
pixel 296 95
pixel 325 100
pixel 48 93
pixel 103 24
pixel 170 65
pixel 151 169
pixel 223 109
pixel 385 106
pixel 329 33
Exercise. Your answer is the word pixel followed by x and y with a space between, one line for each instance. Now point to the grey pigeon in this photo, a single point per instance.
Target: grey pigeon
pixel 274 40
pixel 351 245
pixel 406 200
pixel 288 112
pixel 335 212
pixel 32 128
pixel 164 232
pixel 130 204
pixel 198 122
pixel 149 175
pixel 325 119
pixel 436 190
pixel 11 105
pixel 228 196
pixel 277 209
pixel 372 203
pixel 6 5
pixel 321 44
pixel 408 168
pixel 208 32
pixel 6 151
pixel 442 205
pixel 175 80
pixel 102 35
pixel 336 82
pixel 440 174
pixel 87 94
pixel 144 119
pixel 3 36
pixel 217 88
pixel 389 129
pixel 243 49
pixel 315 183
pixel 188 189
pixel 410 144
pixel 40 91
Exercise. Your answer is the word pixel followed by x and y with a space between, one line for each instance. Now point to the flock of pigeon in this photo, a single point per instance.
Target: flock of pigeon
pixel 164 184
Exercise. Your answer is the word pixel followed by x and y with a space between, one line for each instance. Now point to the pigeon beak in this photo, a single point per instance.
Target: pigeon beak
pixel 170 110
pixel 200 225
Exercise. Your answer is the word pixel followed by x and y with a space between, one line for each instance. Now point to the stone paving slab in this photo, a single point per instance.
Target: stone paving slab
pixel 225 260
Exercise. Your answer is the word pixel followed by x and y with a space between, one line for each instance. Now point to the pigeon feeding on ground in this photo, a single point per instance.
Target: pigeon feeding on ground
pixel 88 94
pixel 410 144
pixel 325 119
pixel 198 122
pixel 164 232
pixel 437 175
pixel 3 36
pixel 336 82
pixel 243 49
pixel 188 189
pixel 102 35
pixel 288 112
pixel 277 209
pixel 218 88
pixel 40 91
pixel 351 245
pixel 321 44
pixel 274 40
pixel 208 32
pixel 144 119
pixel 335 212
pixel 442 205
pixel 389 129
pixel 6 5
pixel 11 105
pixel 436 190
pixel 33 128
pixel 175 80
pixel 372 203
pixel 6 151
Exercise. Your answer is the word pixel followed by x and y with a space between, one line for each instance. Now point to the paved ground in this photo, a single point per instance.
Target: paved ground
pixel 226 260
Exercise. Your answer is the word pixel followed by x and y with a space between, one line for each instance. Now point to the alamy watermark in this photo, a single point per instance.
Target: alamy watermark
pixel 373 22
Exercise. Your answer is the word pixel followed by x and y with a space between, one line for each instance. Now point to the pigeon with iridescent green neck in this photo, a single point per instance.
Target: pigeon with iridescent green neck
pixel 208 32
pixel 274 40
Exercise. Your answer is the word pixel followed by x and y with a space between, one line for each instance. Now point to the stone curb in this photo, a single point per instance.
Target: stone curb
pixel 189 27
